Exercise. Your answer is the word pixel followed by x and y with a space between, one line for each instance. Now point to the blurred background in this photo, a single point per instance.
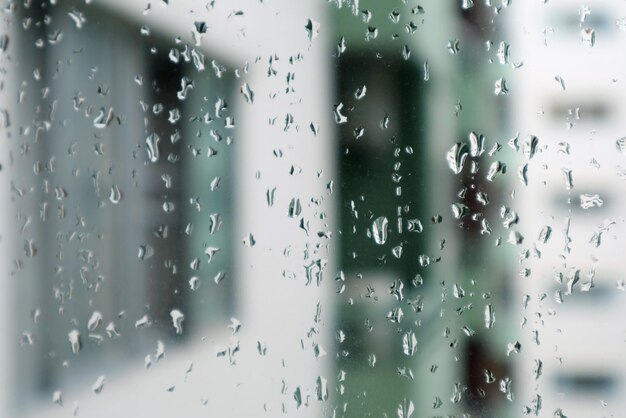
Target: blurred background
pixel 333 208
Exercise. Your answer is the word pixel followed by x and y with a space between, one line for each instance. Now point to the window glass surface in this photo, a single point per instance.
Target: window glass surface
pixel 323 208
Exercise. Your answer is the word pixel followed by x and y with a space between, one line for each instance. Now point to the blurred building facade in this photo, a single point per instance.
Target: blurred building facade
pixel 236 179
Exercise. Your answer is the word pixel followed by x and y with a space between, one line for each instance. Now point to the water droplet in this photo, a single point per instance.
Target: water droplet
pixel 318 351
pixel 468 331
pixel 143 322
pixel 522 174
pixel 588 201
pixel 160 350
pixel 454 46
pixel 98 385
pixel 219 277
pixel 297 396
pixel 168 207
pixel 457 393
pixel 406 408
pixel 459 210
pixel 489 376
pixel 248 240
pixel 588 36
pixel 174 55
pixel 371 360
pixel 514 142
pixel 312 29
pixel 247 92
pixel 215 221
pixel 57 398
pixel 545 234
pixel 394 16
pixel 506 388
pixel 198 59
pixel 60 193
pixel 456 157
pixel 560 82
pixel 458 292
pixel 152 143
pixel 379 230
pixel 30 249
pixel 530 146
pixel 495 169
pixel 409 343
pixel 490 316
pixel 569 181
pixel 596 239
pixel 414 225
pixel 360 92
pixel 477 144
pixel 339 117
pixel 359 132
pixel 482 198
pixel 218 68
pixel 186 84
pixel 194 283
pixel 558 413
pixel 77 17
pixel 500 87
pixel 173 117
pixel 115 196
pixel 261 348
pixel 295 208
pixel 467 4
pixel 437 403
pixel 177 320
pixel 395 315
pixel 4 42
pixel 406 52
pixel 515 238
pixel 620 144
pixel 27 339
pixel 104 118
pixel 145 252
pixel 94 321
pixel 111 330
pixel 515 347
pixel 288 121
pixel 74 338
pixel 210 252
pixel 509 217
pixel 584 11
pixel 372 33
pixel 270 195
pixel 235 325
pixel 200 26
pixel 321 388
pixel 341 46
pixel 503 53
pixel 410 27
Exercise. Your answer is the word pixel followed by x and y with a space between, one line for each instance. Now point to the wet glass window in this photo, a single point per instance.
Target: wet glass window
pixel 342 208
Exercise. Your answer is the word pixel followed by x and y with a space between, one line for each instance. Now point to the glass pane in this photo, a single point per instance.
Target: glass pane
pixel 342 208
